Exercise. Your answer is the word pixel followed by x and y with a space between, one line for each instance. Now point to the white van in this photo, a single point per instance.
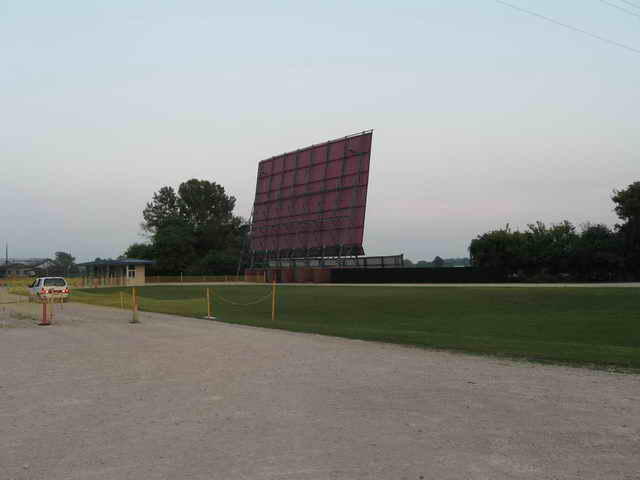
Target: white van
pixel 49 287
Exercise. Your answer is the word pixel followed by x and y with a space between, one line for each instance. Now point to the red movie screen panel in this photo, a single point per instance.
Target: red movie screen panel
pixel 312 201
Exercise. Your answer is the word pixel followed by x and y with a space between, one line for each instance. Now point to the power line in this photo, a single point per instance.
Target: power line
pixel 571 27
pixel 622 9
pixel 631 3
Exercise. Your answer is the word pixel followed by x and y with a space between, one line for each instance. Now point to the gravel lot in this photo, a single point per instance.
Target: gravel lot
pixel 94 397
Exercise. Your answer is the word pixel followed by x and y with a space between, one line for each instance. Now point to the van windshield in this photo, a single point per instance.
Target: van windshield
pixel 55 282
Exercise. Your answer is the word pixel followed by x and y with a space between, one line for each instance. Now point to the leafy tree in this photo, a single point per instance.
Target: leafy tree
pixel 144 251
pixel 537 250
pixel 219 262
pixel 598 254
pixel 165 206
pixel 499 249
pixel 438 262
pixel 552 252
pixel 174 246
pixel 188 225
pixel 64 262
pixel 559 251
pixel 203 204
pixel 547 249
pixel 627 202
pixel 627 207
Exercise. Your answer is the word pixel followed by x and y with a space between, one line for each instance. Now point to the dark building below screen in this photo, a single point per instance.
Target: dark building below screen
pixel 311 202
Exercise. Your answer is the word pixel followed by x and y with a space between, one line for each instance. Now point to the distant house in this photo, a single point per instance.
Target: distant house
pixel 16 270
pixel 45 265
pixel 123 271
pixel 27 268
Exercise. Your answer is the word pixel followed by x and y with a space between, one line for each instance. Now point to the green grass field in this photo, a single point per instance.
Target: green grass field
pixel 587 326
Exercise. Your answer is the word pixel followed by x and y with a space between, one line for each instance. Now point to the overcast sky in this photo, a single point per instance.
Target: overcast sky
pixel 483 115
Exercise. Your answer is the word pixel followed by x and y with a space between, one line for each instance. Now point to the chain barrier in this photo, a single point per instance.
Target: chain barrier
pixel 131 301
pixel 252 302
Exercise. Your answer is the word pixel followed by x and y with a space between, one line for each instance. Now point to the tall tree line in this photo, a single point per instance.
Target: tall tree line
pixel 560 251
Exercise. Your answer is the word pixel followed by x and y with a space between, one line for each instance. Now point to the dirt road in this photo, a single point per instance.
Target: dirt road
pixel 94 397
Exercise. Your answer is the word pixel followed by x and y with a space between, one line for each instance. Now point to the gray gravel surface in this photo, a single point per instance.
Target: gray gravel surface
pixel 94 397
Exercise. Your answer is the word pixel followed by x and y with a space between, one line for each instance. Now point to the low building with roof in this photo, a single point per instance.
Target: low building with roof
pixel 29 267
pixel 122 271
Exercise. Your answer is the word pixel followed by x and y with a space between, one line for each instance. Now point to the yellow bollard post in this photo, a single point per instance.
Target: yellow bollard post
pixel 273 301
pixel 134 306
pixel 210 305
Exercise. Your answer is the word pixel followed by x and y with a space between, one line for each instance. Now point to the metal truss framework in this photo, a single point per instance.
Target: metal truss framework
pixel 390 261
pixel 311 202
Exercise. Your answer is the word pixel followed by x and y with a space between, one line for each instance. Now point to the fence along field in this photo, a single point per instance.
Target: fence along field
pixel 586 326
pixel 19 285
